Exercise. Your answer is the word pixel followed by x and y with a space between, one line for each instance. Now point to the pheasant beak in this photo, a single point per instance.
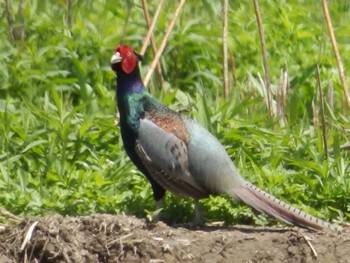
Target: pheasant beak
pixel 116 58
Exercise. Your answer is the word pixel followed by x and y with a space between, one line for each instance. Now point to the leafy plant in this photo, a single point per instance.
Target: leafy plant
pixel 60 147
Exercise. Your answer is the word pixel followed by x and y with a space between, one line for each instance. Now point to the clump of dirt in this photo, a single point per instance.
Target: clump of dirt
pixel 119 238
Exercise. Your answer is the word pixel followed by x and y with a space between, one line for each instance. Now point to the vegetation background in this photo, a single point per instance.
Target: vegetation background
pixel 60 147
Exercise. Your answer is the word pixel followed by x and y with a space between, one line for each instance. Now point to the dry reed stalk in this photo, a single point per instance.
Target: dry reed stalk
pixel 150 36
pixel 336 53
pixel 330 101
pixel 164 41
pixel 282 90
pixel 68 15
pixel 314 113
pixel 322 113
pixel 232 66
pixel 16 29
pixel 126 21
pixel 224 47
pixel 264 55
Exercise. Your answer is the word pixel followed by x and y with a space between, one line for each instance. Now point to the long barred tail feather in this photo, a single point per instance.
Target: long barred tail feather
pixel 264 202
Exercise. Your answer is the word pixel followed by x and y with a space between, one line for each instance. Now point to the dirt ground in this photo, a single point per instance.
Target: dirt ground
pixel 118 238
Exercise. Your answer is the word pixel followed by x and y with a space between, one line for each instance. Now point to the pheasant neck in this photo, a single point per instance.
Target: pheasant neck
pixel 129 83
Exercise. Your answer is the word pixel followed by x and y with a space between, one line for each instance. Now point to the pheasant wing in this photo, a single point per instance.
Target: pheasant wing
pixel 165 157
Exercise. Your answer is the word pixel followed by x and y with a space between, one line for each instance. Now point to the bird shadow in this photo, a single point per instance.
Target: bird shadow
pixel 248 229
pixel 243 229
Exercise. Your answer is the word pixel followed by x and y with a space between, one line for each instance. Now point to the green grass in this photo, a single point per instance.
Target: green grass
pixel 61 152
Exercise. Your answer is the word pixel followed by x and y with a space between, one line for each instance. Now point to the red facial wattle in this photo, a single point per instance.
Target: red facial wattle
pixel 129 58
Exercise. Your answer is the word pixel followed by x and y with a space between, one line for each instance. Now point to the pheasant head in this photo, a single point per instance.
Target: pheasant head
pixel 125 59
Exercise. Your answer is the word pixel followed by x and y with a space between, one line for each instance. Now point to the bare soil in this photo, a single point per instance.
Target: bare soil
pixel 118 238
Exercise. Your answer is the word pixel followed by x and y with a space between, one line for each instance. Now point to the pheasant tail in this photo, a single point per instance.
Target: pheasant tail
pixel 264 202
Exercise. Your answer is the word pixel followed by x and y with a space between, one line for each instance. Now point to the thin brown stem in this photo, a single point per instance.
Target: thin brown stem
pixel 151 26
pixel 224 47
pixel 68 14
pixel 281 97
pixel 9 19
pixel 336 53
pixel 126 20
pixel 163 44
pixel 330 101
pixel 21 27
pixel 232 66
pixel 322 113
pixel 151 37
pixel 15 21
pixel 314 113
pixel 264 55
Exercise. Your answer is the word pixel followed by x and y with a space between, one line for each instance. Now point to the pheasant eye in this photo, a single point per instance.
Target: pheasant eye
pixel 128 54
